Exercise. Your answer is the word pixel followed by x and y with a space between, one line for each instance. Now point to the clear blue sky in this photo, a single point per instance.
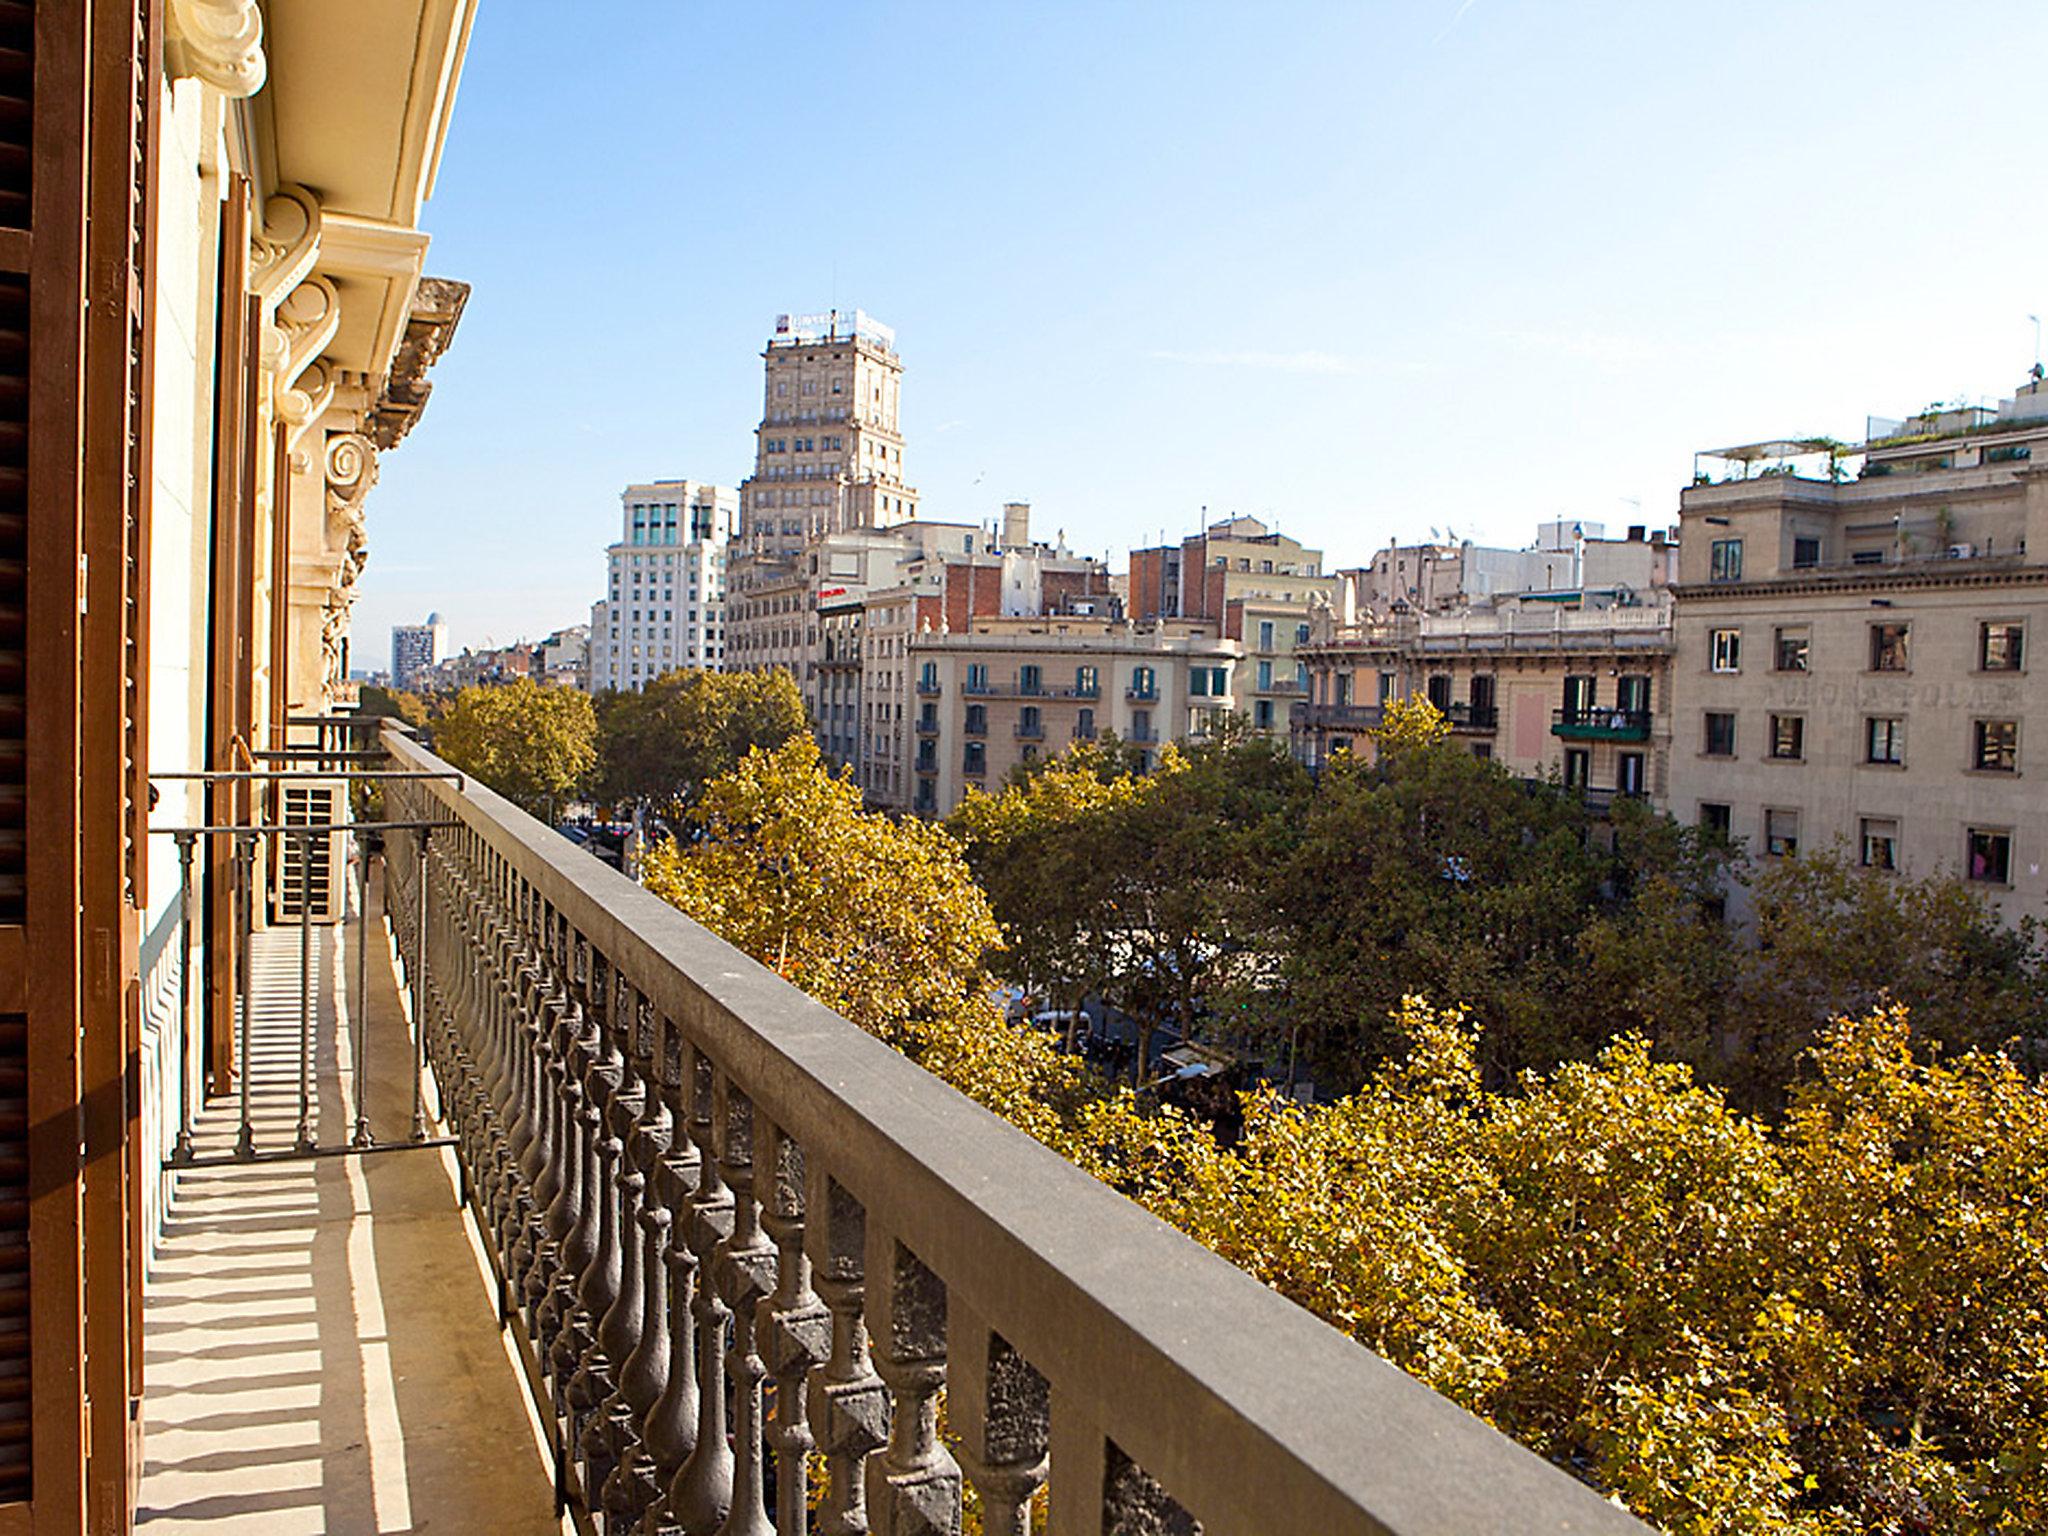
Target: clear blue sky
pixel 1362 269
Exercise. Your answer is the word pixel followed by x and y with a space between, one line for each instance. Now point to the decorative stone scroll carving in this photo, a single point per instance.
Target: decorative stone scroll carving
pixel 351 469
pixel 282 252
pixel 436 310
pixel 217 41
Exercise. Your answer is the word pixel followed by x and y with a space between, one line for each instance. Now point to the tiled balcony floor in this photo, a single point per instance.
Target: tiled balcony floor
pixel 322 1354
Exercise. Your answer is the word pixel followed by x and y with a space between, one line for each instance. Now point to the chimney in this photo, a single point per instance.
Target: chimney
pixel 1016 525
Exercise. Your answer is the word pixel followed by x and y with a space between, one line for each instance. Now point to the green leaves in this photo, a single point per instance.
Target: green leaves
pixel 533 745
pixel 663 744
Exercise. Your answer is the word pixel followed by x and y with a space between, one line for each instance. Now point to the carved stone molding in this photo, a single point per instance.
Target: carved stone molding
pixel 217 41
pixel 436 310
pixel 282 252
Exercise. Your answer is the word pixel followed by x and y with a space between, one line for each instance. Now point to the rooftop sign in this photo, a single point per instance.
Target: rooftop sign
pixel 834 325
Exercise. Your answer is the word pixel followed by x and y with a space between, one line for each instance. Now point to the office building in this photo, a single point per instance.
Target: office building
pixel 664 605
pixel 417 649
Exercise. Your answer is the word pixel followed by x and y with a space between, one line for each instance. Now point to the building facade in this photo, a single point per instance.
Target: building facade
pixel 1579 691
pixel 1005 691
pixel 1855 653
pixel 417 649
pixel 1258 586
pixel 665 584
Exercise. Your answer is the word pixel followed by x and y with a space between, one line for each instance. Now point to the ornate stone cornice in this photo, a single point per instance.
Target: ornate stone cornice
pixel 436 310
pixel 217 41
pixel 282 252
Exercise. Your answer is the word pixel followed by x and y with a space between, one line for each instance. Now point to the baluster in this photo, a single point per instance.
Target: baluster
pixel 643 1380
pixel 618 1329
pixel 533 1255
pixel 571 1219
pixel 669 1433
pixel 849 1406
pixel 590 1377
pixel 1099 1491
pixel 701 1494
pixel 793 1320
pixel 745 1276
pixel 997 1407
pixel 914 1485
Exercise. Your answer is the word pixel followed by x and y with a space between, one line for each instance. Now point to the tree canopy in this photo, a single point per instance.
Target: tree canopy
pixel 533 745
pixel 661 745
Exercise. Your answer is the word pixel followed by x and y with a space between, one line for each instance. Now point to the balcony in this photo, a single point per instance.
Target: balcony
pixel 729 1229
pixel 1017 689
pixel 928 688
pixel 1139 695
pixel 1028 732
pixel 1591 723
pixel 927 726
pixel 1479 718
pixel 1335 717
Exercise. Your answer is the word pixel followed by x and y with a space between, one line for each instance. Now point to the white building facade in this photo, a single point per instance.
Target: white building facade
pixel 664 602
pixel 417 649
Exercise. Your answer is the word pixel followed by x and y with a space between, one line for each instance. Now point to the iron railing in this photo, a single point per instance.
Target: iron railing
pixel 731 1232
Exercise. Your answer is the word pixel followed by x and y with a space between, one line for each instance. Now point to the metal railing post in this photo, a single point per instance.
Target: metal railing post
pixel 420 1004
pixel 182 1149
pixel 245 850
pixel 360 1014
pixel 305 1138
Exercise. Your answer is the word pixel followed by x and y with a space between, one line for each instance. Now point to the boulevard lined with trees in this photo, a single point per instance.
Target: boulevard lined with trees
pixel 1754 1237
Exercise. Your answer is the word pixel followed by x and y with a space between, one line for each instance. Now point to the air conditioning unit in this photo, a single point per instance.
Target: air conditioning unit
pixel 1962 551
pixel 309 802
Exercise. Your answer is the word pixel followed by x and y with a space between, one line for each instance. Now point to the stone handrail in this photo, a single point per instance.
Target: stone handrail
pixel 694 1181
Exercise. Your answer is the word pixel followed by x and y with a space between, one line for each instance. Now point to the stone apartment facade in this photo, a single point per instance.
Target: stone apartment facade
pixel 665 579
pixel 1259 586
pixel 1855 656
pixel 1579 689
pixel 1006 691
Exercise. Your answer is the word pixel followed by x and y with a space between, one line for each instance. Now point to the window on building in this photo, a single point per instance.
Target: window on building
pixel 1888 647
pixel 1715 818
pixel 1087 682
pixel 928 675
pixel 1998 745
pixel 1879 842
pixel 1030 678
pixel 1792 642
pixel 1262 714
pixel 1265 674
pixel 1388 689
pixel 1578 767
pixel 977 719
pixel 1720 734
pixel 1884 740
pixel 1781 833
pixel 1725 650
pixel 977 677
pixel 1084 725
pixel 1029 722
pixel 974 759
pixel 1990 855
pixel 1805 552
pixel 1301 676
pixel 1301 634
pixel 2000 646
pixel 1144 683
pixel 1578 696
pixel 1141 725
pixel 1265 634
pixel 1726 560
pixel 1788 737
pixel 1629 775
pixel 1439 690
pixel 1631 693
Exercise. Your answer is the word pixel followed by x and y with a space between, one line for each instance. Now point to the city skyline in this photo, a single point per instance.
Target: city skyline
pixel 1116 296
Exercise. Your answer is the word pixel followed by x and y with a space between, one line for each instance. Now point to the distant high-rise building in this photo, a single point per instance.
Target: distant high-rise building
pixel 416 648
pixel 664 602
pixel 829 451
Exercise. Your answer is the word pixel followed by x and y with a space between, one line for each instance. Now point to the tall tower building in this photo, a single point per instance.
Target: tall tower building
pixel 828 455
pixel 417 648
pixel 664 602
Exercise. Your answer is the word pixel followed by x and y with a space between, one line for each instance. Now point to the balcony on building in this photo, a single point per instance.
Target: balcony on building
pixel 1479 719
pixel 1600 723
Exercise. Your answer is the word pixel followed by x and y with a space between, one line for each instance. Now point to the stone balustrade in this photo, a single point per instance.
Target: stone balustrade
pixel 750 1255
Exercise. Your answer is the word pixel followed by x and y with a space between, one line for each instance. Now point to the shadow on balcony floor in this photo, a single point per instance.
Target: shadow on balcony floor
pixel 322 1354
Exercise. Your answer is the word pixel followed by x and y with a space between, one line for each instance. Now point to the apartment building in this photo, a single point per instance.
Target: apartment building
pixel 417 649
pixel 1854 650
pixel 1006 691
pixel 1576 686
pixel 1258 585
pixel 665 584
pixel 949 578
pixel 1568 555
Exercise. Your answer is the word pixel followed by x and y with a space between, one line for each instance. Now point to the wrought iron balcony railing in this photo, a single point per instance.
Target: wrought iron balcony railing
pixel 1588 723
pixel 696 1185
